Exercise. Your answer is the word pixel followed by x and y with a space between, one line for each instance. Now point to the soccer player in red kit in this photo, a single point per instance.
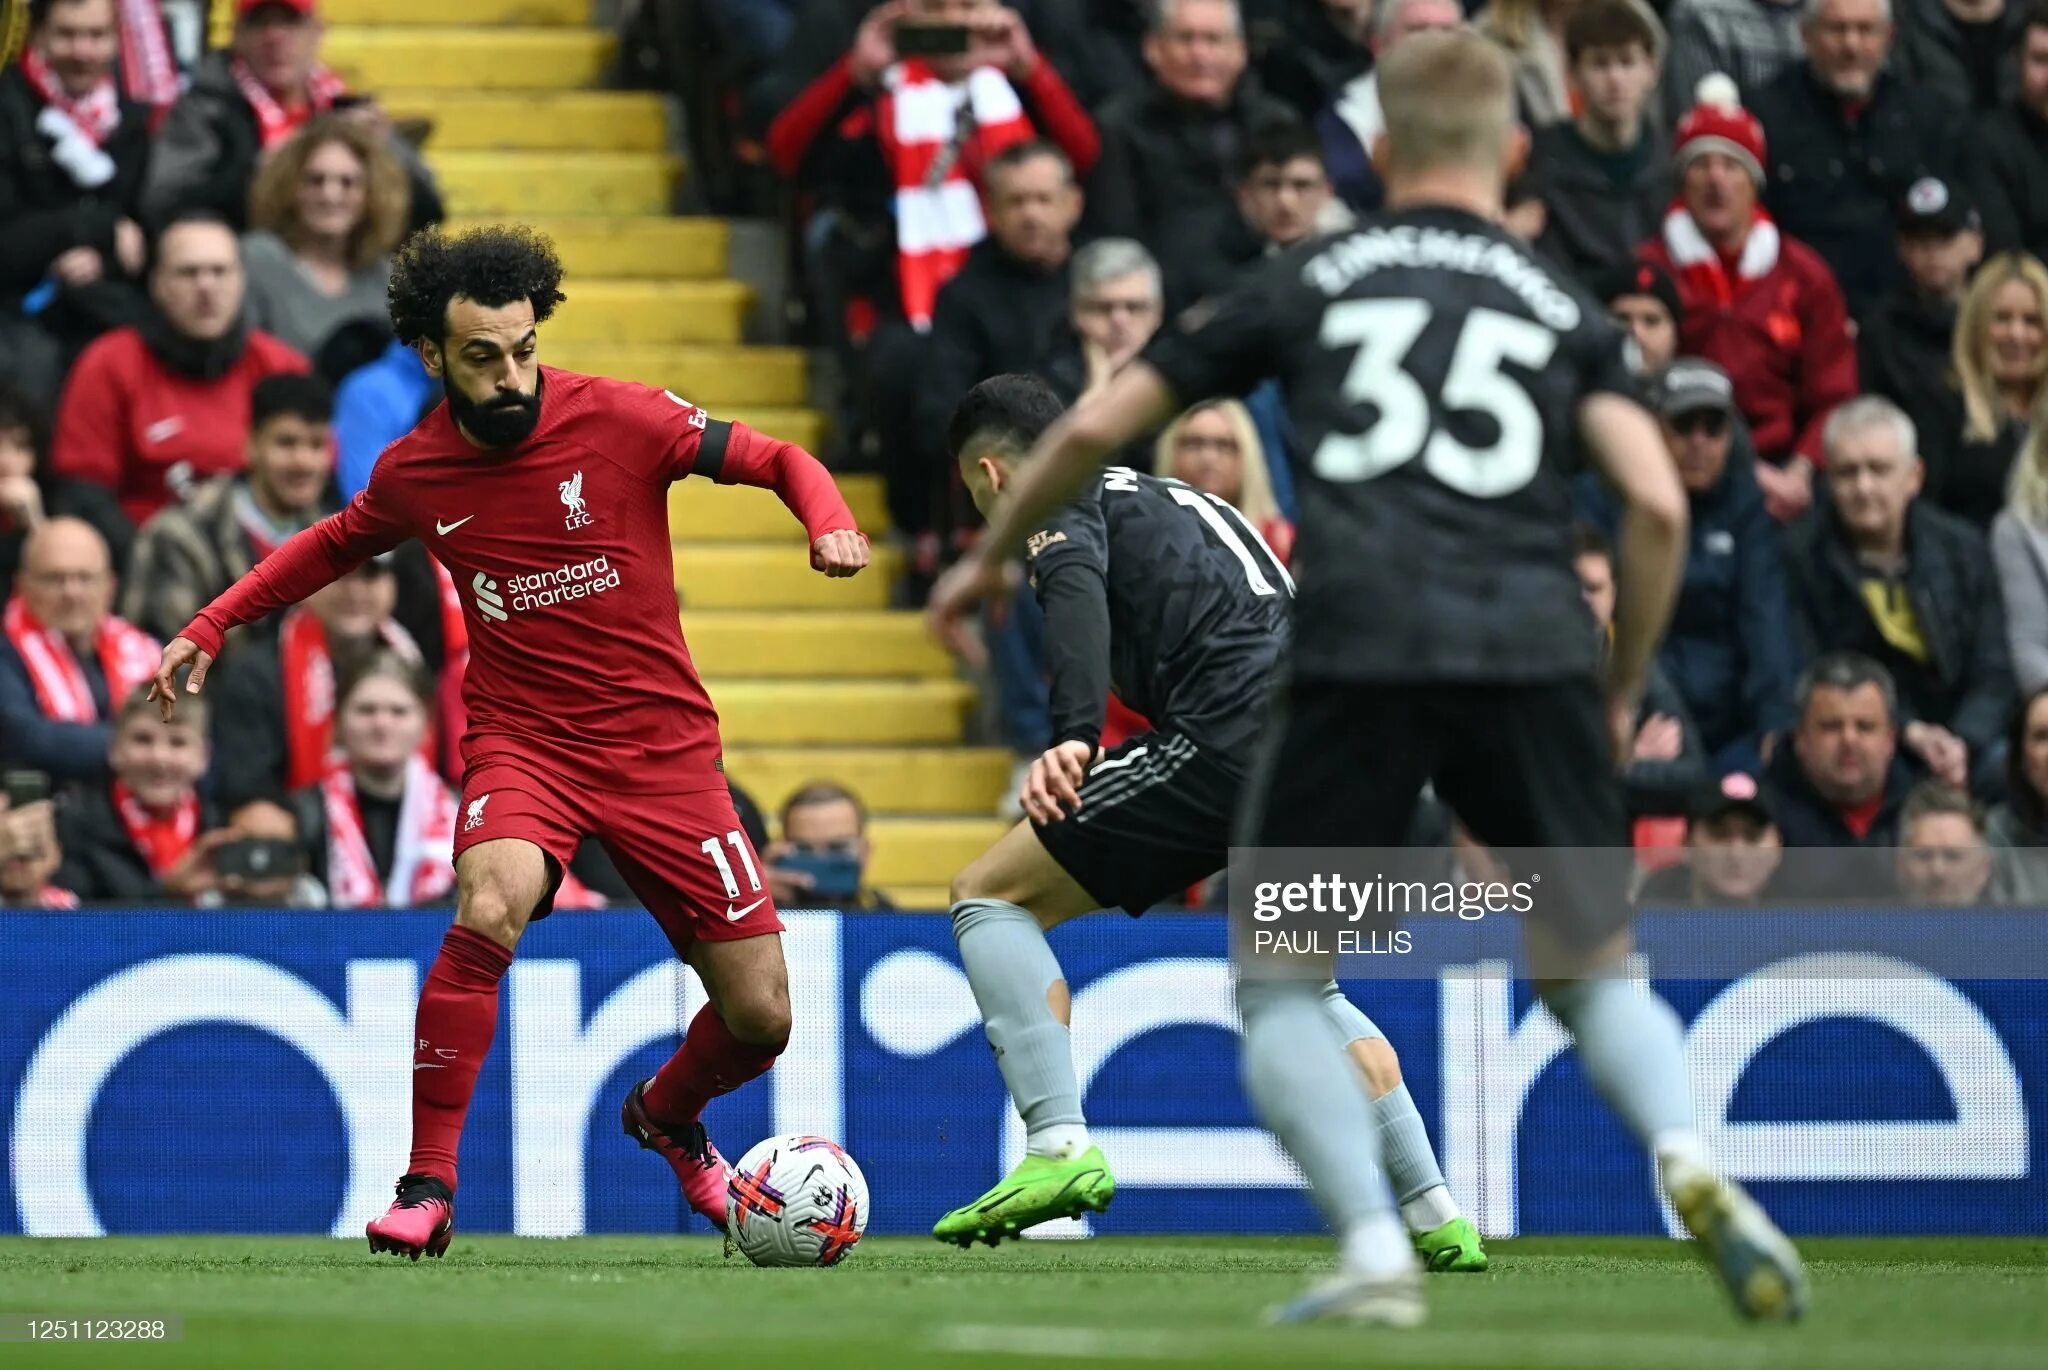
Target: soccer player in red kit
pixel 545 494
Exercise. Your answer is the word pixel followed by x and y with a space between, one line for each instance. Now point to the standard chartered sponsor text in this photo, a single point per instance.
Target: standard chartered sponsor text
pixel 539 589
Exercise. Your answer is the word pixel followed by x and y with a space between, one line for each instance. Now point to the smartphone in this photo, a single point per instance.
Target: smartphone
pixel 931 40
pixel 348 102
pixel 258 858
pixel 26 787
pixel 834 875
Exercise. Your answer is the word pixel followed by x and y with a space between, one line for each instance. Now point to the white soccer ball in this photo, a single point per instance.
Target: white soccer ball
pixel 796 1201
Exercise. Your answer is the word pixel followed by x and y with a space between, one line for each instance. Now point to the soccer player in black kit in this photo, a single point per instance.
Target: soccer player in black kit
pixel 1443 381
pixel 1171 598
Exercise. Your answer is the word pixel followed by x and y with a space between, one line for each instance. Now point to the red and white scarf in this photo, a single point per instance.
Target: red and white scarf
pixel 148 71
pixel 163 842
pixel 94 115
pixel 938 139
pixel 307 668
pixel 422 858
pixel 275 123
pixel 127 657
pixel 1700 270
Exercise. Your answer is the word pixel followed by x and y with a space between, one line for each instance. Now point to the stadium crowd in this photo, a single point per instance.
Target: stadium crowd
pixel 1821 222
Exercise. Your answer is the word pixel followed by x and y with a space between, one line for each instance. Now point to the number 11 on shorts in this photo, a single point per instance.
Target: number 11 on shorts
pixel 715 849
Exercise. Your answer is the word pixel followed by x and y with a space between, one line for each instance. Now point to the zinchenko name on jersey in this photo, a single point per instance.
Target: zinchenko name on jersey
pixel 1333 270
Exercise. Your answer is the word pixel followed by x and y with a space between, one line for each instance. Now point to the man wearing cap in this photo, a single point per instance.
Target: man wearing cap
pixel 2012 147
pixel 1758 302
pixel 245 102
pixel 1732 848
pixel 1730 652
pixel 1846 139
pixel 1904 344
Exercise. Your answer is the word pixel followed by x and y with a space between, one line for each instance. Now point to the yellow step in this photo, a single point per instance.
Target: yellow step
pixel 466 121
pixel 804 427
pixel 466 59
pixel 927 851
pixel 777 577
pixel 700 512
pixel 841 646
pixel 920 898
pixel 899 780
pixel 713 377
pixel 657 247
pixel 472 13
pixel 534 183
pixel 615 311
pixel 782 713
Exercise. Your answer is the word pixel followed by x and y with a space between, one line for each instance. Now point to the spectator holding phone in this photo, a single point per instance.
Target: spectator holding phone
pixel 380 824
pixel 29 853
pixel 265 865
pixel 146 836
pixel 824 851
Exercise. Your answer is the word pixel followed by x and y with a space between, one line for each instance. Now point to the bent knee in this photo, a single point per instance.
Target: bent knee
pixel 1376 1061
pixel 488 909
pixel 760 1018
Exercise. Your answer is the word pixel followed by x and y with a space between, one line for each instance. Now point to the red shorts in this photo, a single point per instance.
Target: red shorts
pixel 684 855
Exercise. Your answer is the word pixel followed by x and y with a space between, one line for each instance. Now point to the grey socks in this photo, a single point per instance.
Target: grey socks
pixel 1010 968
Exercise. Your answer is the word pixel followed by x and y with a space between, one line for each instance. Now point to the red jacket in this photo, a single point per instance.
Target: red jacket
pixel 127 421
pixel 1783 339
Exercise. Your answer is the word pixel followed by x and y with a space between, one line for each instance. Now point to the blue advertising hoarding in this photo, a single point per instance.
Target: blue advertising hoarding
pixel 159 1069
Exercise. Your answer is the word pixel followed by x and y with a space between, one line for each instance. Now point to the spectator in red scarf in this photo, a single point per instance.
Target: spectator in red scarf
pixel 66 662
pixel 73 152
pixel 192 551
pixel 1761 305
pixel 379 824
pixel 150 411
pixel 244 103
pixel 146 837
pixel 881 135
pixel 275 726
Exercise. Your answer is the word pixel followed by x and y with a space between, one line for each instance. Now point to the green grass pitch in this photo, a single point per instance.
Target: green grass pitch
pixel 1572 1304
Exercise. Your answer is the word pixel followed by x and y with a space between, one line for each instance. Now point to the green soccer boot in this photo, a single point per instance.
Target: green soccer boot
pixel 1037 1191
pixel 1451 1249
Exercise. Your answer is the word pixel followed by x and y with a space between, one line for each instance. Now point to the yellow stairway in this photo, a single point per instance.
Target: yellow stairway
pixel 814 679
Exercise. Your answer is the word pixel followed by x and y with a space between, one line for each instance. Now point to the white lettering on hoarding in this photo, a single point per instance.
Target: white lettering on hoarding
pixel 363 1056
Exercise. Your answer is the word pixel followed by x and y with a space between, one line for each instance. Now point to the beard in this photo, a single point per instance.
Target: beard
pixel 501 421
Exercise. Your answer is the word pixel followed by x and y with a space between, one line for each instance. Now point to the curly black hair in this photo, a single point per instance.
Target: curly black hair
pixel 493 266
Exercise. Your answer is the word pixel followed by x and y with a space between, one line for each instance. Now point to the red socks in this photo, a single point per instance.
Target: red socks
pixel 458 1015
pixel 710 1062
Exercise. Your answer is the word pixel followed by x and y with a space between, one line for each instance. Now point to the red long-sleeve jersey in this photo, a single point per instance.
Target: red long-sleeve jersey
pixel 559 547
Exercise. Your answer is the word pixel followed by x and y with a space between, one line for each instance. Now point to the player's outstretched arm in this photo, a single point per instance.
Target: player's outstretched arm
pixel 1136 400
pixel 806 488
pixel 1625 444
pixel 307 561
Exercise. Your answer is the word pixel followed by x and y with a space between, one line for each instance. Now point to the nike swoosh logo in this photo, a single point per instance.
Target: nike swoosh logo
pixel 733 915
pixel 444 529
